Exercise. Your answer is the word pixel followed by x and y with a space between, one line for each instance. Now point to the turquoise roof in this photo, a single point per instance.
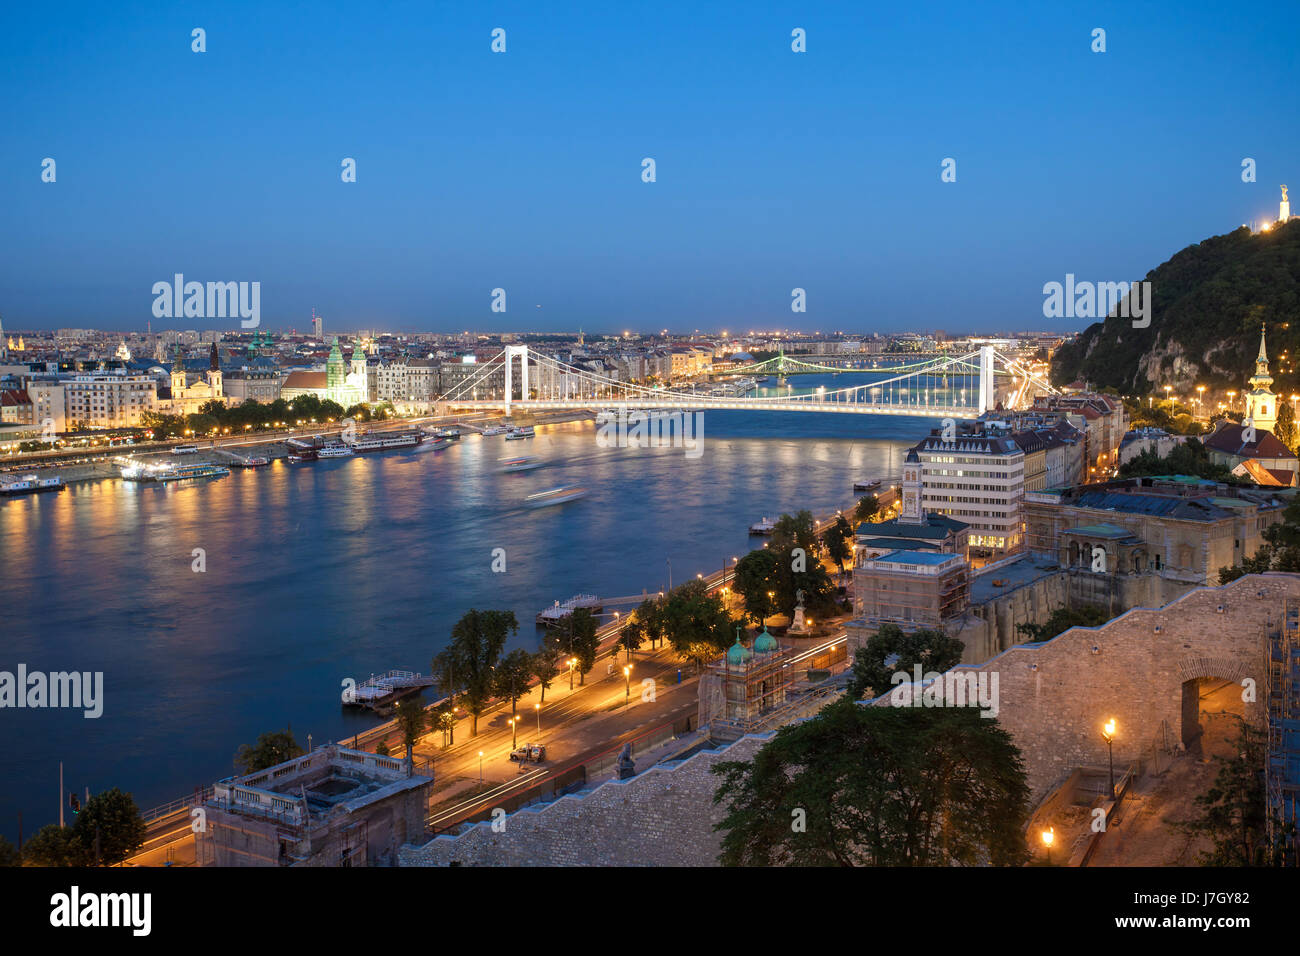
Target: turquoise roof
pixel 765 643
pixel 738 653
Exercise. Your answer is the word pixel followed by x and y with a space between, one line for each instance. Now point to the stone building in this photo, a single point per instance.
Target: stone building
pixel 1228 446
pixel 331 807
pixel 911 589
pixel 978 479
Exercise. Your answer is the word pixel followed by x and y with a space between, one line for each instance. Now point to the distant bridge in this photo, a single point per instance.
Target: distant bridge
pixel 956 386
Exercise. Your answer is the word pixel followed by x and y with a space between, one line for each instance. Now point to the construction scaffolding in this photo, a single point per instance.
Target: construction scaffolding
pixel 1282 721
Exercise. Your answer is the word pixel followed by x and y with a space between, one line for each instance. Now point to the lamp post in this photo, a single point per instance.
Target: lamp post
pixel 538 708
pixel 514 729
pixel 1049 837
pixel 627 687
pixel 480 767
pixel 1108 734
pixel 572 661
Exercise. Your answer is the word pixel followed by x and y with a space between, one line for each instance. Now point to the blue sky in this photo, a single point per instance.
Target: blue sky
pixel 522 170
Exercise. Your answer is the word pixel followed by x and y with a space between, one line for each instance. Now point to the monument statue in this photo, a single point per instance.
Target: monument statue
pixel 626 768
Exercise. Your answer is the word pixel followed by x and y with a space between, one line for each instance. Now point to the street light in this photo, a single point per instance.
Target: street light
pixel 627 685
pixel 480 767
pixel 1108 734
pixel 1049 837
pixel 572 661
pixel 538 708
pixel 514 727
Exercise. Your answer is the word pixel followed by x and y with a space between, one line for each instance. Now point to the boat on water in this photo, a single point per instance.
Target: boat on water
pixel 434 444
pixel 554 496
pixel 31 485
pixel 302 456
pixel 766 526
pixel 521 463
pixel 491 430
pixel 871 485
pixel 519 432
pixel 451 434
pixel 367 443
pixel 334 451
pixel 256 461
pixel 140 471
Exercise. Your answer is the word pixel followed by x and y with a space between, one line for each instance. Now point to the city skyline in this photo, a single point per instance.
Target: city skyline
pixel 775 170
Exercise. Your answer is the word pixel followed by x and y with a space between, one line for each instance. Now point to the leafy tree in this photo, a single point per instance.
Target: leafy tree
pixel 697 623
pixel 837 538
pixel 1061 620
pixel 446 722
pixel 512 677
pixel 52 845
pixel 649 617
pixel 754 579
pixel 878 786
pixel 795 531
pixel 412 721
pixel 891 650
pixel 477 643
pixel 8 855
pixel 867 509
pixel 817 587
pixel 1233 813
pixel 1285 429
pixel 112 821
pixel 270 749
pixel 1188 458
pixel 381 749
pixel 631 636
pixel 546 665
pixel 584 644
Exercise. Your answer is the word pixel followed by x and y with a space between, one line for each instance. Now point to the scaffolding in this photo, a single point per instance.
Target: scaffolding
pixel 1282 722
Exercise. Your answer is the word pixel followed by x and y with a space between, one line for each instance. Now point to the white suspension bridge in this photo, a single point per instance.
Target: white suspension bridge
pixel 962 386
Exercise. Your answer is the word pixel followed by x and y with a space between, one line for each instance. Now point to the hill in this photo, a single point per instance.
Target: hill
pixel 1208 303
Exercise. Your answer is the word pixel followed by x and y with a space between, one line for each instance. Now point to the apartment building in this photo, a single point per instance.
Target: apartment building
pixel 253 384
pixel 980 480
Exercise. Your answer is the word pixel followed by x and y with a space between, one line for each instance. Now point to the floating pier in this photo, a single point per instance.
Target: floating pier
pixel 382 691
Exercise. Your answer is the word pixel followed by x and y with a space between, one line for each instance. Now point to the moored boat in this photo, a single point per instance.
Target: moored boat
pixel 554 496
pixel 519 432
pixel 376 442
pixel 334 451
pixel 31 485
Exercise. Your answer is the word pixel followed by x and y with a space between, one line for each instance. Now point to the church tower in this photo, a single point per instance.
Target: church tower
pixel 909 509
pixel 1261 403
pixel 214 373
pixel 178 373
pixel 334 373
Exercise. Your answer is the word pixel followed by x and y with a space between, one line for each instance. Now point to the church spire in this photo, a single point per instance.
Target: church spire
pixel 1261 363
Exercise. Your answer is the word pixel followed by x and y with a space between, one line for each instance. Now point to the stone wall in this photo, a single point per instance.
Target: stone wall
pixel 661 817
pixel 1054 697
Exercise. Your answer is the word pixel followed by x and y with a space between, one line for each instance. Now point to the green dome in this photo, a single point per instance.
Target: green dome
pixel 738 653
pixel 765 643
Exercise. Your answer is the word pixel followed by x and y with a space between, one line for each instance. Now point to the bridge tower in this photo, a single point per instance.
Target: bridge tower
pixel 988 392
pixel 511 352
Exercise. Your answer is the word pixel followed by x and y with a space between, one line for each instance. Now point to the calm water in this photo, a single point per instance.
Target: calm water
pixel 322 571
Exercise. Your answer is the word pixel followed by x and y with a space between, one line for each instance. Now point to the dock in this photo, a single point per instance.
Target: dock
pixel 380 693
pixel 560 611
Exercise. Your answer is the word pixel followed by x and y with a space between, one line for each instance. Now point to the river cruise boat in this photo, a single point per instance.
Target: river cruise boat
pixel 519 432
pixel 491 430
pixel 554 496
pixel 163 472
pixel 871 485
pixel 257 461
pixel 452 434
pixel 31 485
pixel 521 463
pixel 368 443
pixel 334 451
pixel 766 526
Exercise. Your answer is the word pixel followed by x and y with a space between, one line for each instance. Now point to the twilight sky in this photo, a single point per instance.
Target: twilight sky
pixel 522 170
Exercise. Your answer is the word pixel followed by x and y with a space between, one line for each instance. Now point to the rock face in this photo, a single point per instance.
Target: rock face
pixel 1208 302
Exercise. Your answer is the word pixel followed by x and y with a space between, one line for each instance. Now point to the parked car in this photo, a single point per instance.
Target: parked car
pixel 534 753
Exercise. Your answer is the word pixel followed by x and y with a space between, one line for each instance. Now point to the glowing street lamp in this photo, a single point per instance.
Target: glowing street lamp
pixel 1108 734
pixel 538 708
pixel 627 685
pixel 1049 837
pixel 572 661
pixel 514 727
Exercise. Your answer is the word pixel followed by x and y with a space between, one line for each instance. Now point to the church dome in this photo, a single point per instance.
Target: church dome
pixel 738 653
pixel 765 643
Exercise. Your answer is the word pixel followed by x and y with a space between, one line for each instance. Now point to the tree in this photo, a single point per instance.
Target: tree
pixel 867 509
pixel 755 580
pixel 446 722
pixel 795 531
pixel 52 845
pixel 109 828
pixel 512 677
pixel 8 855
pixel 412 721
pixel 546 664
pixel 584 644
pixel 270 749
pixel 837 538
pixel 381 749
pixel 878 786
pixel 477 642
pixel 1285 429
pixel 891 650
pixel 697 623
pixel 1233 813
pixel 632 636
pixel 1061 620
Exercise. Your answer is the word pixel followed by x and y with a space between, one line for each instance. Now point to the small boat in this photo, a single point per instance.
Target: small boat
pixel 435 444
pixel 304 456
pixel 254 462
pixel 31 485
pixel 522 463
pixel 519 432
pixel 871 485
pixel 492 430
pixel 766 526
pixel 186 472
pixel 334 451
pixel 554 496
